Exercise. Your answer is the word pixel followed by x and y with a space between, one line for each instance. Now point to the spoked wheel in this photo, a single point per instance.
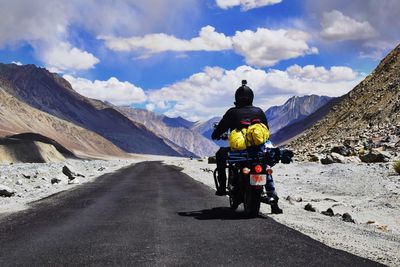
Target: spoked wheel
pixel 251 203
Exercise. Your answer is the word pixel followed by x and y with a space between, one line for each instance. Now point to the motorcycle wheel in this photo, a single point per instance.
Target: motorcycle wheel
pixel 233 202
pixel 251 203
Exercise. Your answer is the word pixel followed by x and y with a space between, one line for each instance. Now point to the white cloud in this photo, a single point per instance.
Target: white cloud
pixel 263 47
pixel 245 4
pixel 64 57
pixel 338 27
pixel 321 74
pixel 211 92
pixel 208 40
pixel 267 47
pixel 47 25
pixel 112 90
pixel 17 63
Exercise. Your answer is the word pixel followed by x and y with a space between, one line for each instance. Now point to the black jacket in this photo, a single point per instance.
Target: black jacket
pixel 234 118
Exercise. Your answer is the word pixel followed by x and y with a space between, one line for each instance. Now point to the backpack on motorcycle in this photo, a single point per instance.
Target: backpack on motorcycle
pixel 237 139
pixel 257 134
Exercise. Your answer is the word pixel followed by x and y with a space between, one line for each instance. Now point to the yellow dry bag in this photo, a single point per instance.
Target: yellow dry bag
pixel 257 134
pixel 237 139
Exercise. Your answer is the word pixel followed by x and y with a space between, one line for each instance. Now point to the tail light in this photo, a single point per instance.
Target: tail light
pixel 258 168
pixel 245 170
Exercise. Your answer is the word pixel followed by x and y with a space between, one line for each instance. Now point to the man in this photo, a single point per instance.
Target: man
pixel 235 118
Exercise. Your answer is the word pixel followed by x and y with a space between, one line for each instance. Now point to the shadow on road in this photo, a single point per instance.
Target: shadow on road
pixel 220 213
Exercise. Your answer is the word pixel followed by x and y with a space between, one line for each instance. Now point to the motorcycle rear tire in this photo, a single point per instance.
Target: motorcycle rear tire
pixel 233 202
pixel 251 203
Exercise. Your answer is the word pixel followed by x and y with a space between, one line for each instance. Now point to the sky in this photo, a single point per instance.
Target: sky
pixel 187 57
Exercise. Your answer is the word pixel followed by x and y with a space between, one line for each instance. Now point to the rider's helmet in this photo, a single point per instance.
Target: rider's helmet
pixel 244 95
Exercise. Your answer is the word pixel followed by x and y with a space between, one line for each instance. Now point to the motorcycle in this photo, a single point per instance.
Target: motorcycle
pixel 249 171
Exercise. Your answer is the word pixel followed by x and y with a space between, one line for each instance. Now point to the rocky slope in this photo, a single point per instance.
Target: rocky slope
pixel 294 110
pixel 366 121
pixel 17 117
pixel 176 130
pixel 52 94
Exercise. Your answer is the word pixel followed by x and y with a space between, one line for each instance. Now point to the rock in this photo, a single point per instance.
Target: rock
pixel 55 181
pixel 374 156
pixel 101 169
pixel 5 191
pixel 328 212
pixel 70 172
pixel 74 181
pixel 314 157
pixel 337 158
pixel 353 159
pixel 341 150
pixel 309 207
pixel 327 160
pixel 347 218
pixel 27 176
pixel 294 199
pixel 19 182
pixel 383 227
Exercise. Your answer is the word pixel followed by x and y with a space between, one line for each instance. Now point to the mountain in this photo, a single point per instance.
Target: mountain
pixel 52 94
pixel 294 129
pixel 367 115
pixel 177 122
pixel 17 117
pixel 205 128
pixel 294 110
pixel 175 130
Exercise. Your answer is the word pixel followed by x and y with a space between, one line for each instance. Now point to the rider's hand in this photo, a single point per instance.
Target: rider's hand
pixel 214 136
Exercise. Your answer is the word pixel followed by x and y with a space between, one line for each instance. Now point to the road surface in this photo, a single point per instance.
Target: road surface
pixel 151 214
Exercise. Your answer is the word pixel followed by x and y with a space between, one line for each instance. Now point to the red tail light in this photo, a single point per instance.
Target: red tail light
pixel 258 168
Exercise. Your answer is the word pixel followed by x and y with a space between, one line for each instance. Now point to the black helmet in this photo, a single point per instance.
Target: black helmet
pixel 244 95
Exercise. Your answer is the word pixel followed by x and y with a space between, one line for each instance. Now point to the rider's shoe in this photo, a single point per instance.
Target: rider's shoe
pixel 221 192
pixel 275 209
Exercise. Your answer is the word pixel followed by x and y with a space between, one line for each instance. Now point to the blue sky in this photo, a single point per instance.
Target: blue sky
pixel 187 57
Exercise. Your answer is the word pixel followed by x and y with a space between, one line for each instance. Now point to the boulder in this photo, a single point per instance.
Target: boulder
pixel 375 155
pixel 74 181
pixel 347 218
pixel 328 212
pixel 70 172
pixel 327 160
pixel 338 158
pixel 309 207
pixel 333 158
pixel 55 181
pixel 5 191
pixel 314 158
pixel 341 150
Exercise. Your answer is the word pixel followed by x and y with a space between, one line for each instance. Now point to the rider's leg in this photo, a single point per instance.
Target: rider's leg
pixel 272 196
pixel 222 156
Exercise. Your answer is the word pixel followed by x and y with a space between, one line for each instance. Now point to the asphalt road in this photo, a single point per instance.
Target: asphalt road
pixel 153 215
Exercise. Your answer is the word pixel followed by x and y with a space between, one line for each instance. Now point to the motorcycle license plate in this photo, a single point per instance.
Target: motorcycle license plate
pixel 258 179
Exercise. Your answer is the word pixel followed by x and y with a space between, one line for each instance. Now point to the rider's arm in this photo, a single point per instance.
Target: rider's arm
pixel 222 126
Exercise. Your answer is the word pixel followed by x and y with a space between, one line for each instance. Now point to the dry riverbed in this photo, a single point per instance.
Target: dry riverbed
pixel 29 182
